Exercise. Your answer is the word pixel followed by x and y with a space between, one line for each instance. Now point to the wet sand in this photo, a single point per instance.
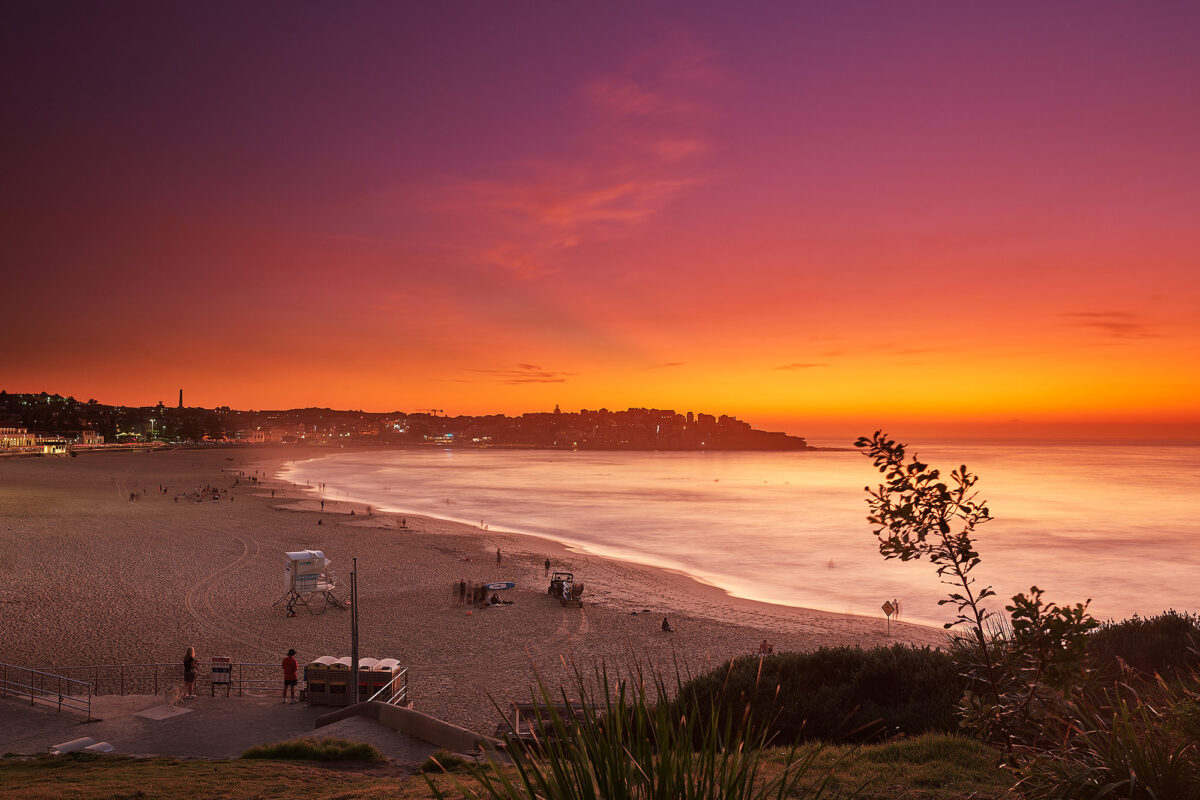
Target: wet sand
pixel 95 578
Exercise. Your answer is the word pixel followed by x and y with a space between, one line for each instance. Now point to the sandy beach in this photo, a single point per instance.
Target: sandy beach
pixel 94 577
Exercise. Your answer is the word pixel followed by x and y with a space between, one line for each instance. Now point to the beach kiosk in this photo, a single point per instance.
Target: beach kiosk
pixel 316 678
pixel 338 691
pixel 309 582
pixel 389 674
pixel 329 679
pixel 366 681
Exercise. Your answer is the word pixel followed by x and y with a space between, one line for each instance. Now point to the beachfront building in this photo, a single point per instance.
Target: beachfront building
pixel 17 437
pixel 85 437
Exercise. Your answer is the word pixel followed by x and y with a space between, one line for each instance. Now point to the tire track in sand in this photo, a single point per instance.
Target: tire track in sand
pixel 199 598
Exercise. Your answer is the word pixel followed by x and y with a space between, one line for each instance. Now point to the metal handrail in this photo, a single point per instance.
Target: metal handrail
pixel 395 695
pixel 245 677
pixel 78 696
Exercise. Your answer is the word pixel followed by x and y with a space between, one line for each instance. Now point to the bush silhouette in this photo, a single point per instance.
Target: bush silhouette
pixel 841 694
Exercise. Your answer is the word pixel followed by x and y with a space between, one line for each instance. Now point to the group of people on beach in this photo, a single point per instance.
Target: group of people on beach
pixel 475 594
pixel 206 492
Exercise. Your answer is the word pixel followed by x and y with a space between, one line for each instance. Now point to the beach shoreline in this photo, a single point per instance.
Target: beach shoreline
pixel 743 610
pixel 100 578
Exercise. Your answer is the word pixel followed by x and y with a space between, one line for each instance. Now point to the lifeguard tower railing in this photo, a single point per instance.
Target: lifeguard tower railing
pixel 395 692
pixel 46 688
pixel 242 678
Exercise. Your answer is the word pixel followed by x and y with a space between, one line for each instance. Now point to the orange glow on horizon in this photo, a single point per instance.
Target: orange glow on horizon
pixel 972 220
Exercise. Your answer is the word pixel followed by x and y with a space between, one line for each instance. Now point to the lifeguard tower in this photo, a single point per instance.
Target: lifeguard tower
pixel 308 578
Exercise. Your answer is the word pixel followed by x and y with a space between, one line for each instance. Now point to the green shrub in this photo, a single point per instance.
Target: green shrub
pixel 327 749
pixel 1124 744
pixel 442 761
pixel 1166 645
pixel 842 694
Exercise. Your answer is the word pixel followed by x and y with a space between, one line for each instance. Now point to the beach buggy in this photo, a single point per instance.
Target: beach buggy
pixel 568 590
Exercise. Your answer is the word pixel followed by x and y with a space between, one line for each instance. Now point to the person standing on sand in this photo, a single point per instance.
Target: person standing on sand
pixel 547 566
pixel 322 504
pixel 290 670
pixel 497 556
pixel 462 591
pixel 189 673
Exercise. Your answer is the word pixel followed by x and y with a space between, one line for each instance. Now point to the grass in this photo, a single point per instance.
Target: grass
pixel 443 761
pixel 93 777
pixel 933 767
pixel 927 767
pixel 327 749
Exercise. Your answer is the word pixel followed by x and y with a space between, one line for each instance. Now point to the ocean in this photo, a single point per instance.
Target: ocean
pixel 1112 522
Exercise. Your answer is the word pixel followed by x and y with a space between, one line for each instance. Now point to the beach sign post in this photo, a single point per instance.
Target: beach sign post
pixel 889 609
pixel 221 673
pixel 354 628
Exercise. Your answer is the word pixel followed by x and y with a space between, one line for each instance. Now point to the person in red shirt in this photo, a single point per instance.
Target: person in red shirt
pixel 290 668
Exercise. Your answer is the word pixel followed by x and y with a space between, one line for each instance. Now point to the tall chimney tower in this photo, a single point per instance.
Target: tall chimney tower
pixel 181 399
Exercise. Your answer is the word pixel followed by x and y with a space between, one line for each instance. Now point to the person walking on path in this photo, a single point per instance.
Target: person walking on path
pixel 189 673
pixel 290 669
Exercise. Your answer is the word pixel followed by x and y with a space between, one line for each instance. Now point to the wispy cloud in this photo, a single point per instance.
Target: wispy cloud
pixel 801 365
pixel 634 147
pixel 1116 324
pixel 524 373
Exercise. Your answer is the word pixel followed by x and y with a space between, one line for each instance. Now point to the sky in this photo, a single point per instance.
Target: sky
pixel 826 218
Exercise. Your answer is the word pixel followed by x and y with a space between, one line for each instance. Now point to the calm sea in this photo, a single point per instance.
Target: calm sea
pixel 1114 522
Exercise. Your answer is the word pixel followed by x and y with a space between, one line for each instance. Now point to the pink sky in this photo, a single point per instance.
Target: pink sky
pixel 826 218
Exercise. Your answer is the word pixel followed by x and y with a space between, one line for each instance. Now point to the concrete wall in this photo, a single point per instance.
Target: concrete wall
pixel 415 724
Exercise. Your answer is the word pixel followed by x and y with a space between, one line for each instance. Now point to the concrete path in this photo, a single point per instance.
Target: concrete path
pixel 211 727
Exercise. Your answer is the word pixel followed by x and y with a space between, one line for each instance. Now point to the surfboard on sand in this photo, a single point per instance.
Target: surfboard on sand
pixel 495 587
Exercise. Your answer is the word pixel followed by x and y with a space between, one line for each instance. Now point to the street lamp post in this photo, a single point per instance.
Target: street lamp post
pixel 354 629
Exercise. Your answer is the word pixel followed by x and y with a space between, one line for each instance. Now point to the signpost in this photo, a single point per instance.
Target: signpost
pixel 889 609
pixel 354 630
pixel 221 668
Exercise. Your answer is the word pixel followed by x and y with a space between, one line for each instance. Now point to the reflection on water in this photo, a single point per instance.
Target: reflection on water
pixel 1114 523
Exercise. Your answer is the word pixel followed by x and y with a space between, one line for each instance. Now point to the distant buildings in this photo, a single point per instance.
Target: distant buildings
pixel 92 423
pixel 13 436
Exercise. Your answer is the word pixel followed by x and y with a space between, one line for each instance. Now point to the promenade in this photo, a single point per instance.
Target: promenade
pixel 204 727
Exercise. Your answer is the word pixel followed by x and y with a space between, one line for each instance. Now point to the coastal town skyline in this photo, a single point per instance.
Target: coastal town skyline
pixel 930 218
pixel 55 424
